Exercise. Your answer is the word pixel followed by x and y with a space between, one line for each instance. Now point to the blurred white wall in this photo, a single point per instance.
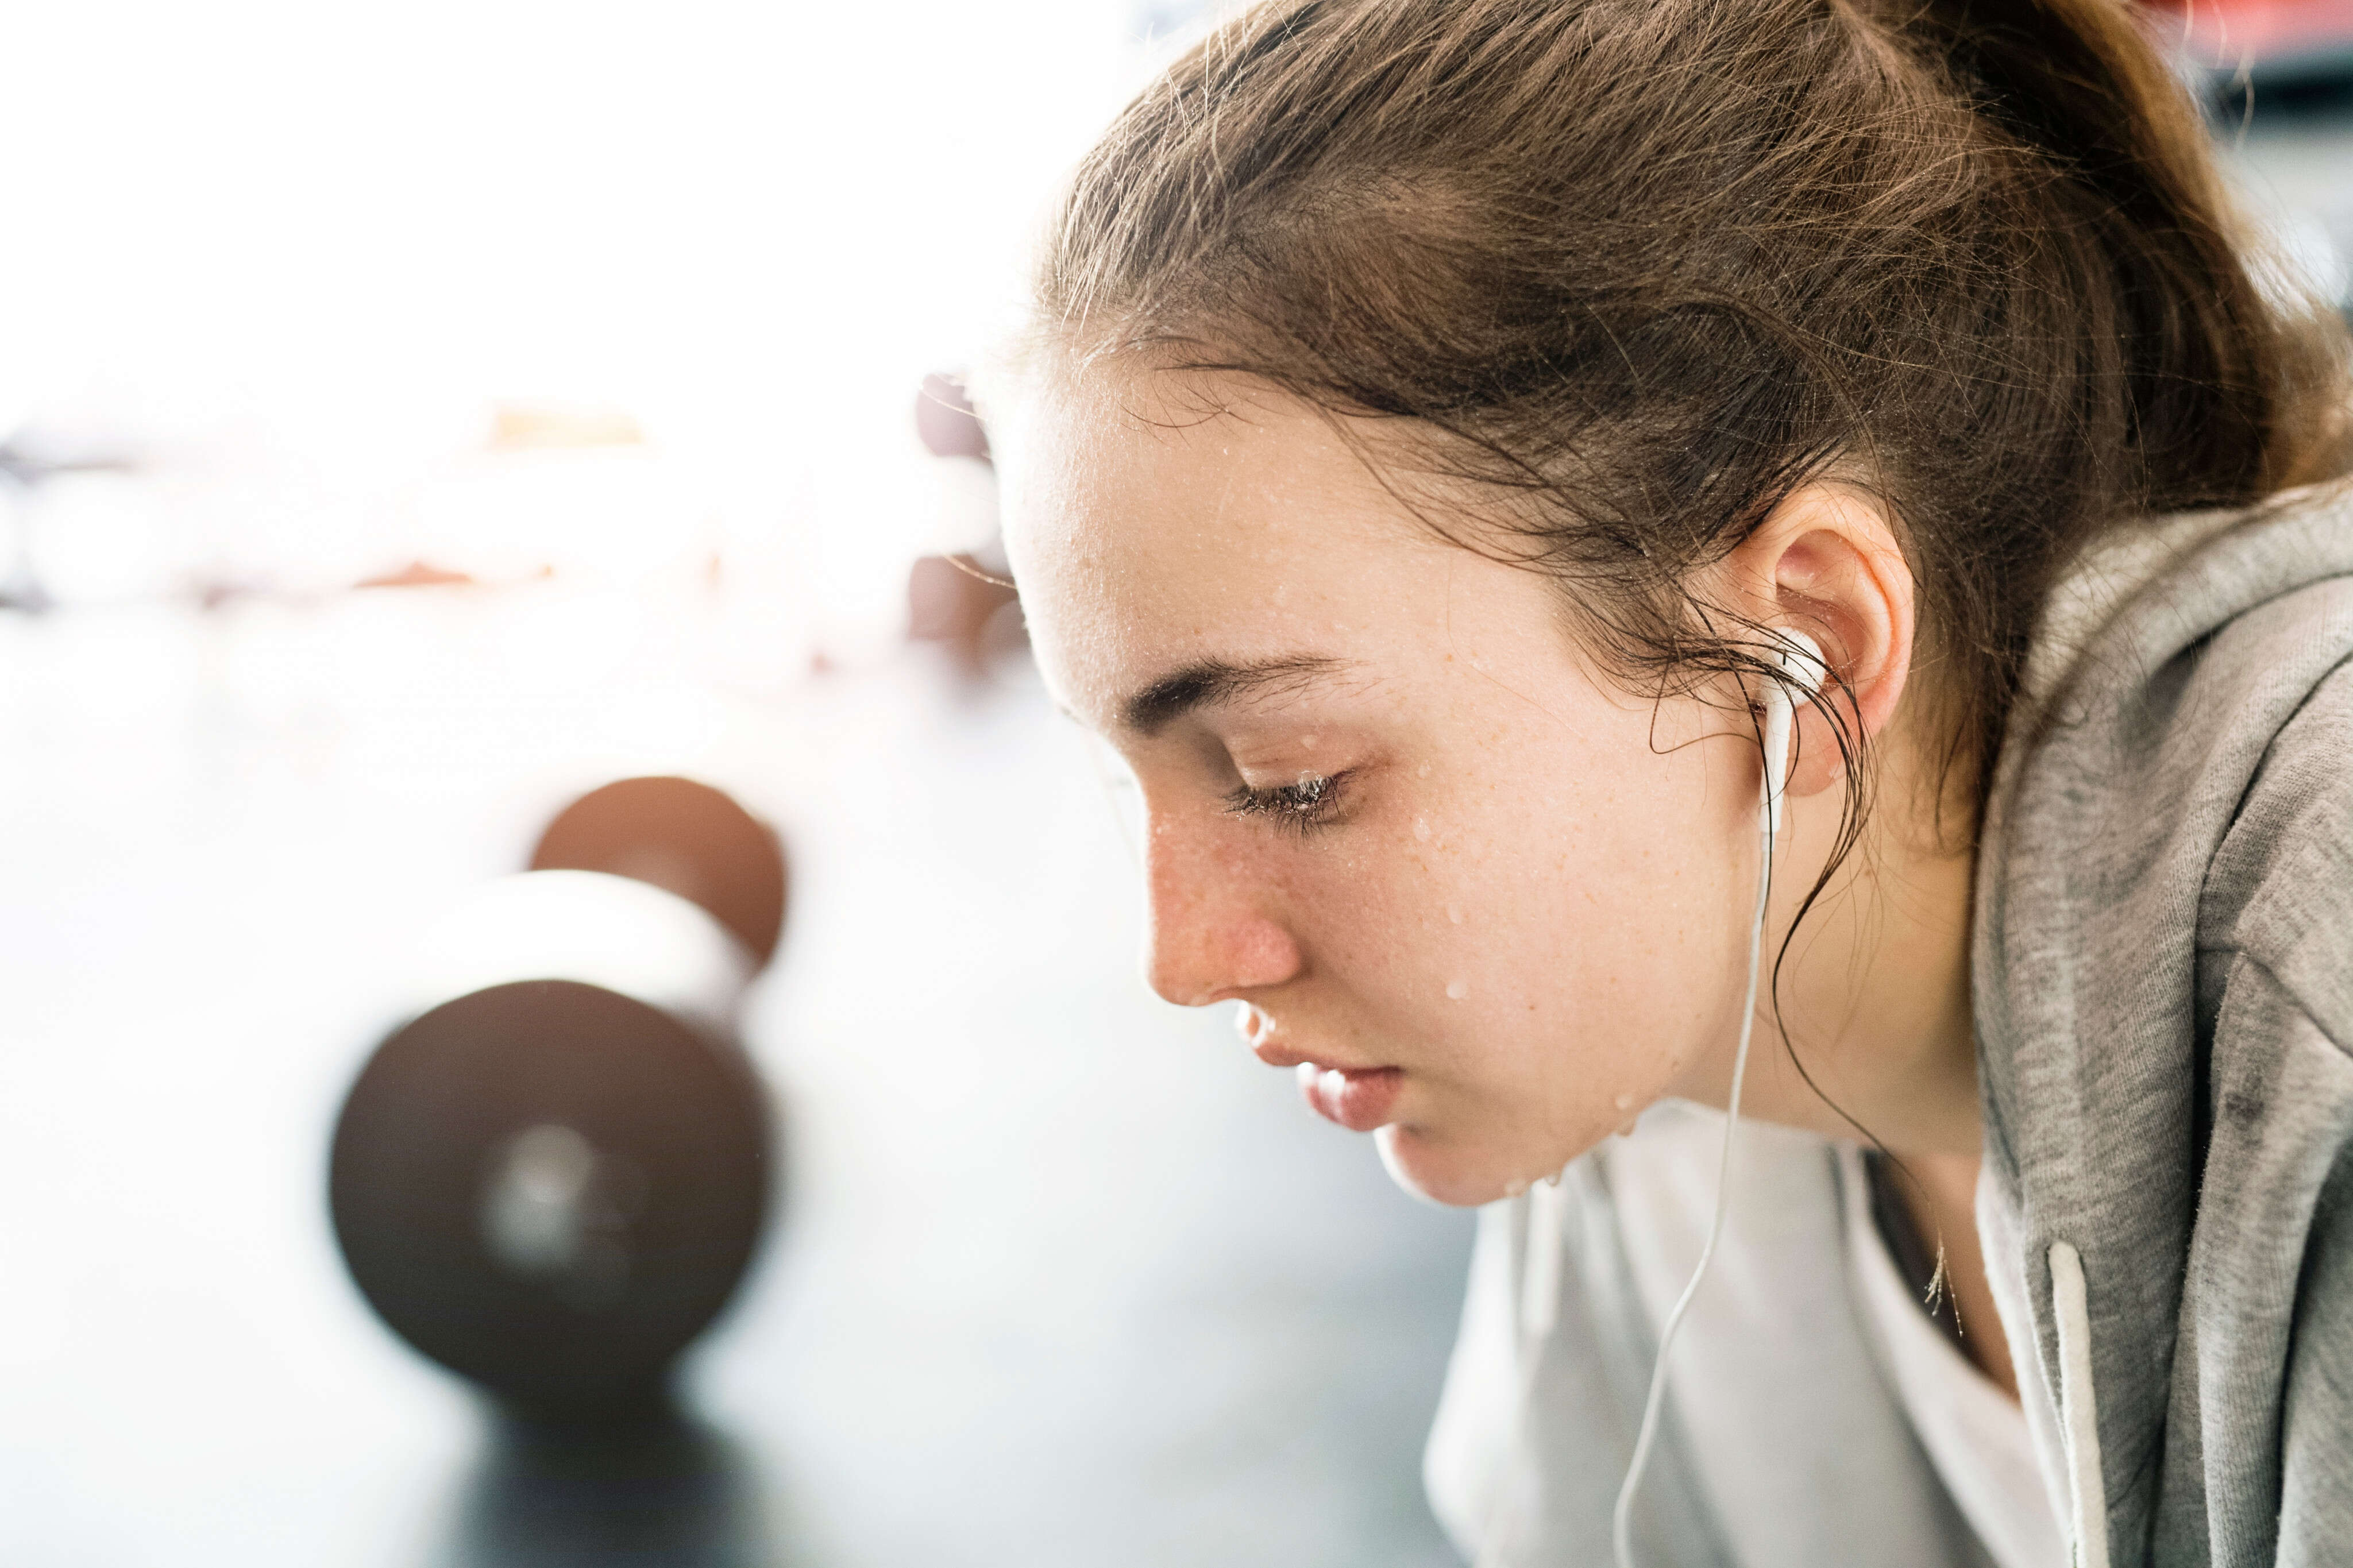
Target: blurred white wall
pixel 293 255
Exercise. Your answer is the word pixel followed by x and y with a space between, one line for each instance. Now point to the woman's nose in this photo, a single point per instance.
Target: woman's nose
pixel 1209 931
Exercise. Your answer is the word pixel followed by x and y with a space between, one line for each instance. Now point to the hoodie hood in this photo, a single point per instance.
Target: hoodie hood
pixel 2162 989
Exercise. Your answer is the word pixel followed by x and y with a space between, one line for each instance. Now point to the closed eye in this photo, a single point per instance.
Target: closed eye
pixel 1311 803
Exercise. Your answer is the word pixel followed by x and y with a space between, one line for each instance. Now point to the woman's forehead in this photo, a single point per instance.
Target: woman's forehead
pixel 1142 482
pixel 1251 540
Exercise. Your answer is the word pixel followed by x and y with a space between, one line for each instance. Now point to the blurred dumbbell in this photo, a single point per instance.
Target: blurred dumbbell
pixel 683 837
pixel 551 1175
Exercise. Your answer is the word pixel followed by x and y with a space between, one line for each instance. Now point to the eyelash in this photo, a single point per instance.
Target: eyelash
pixel 1302 808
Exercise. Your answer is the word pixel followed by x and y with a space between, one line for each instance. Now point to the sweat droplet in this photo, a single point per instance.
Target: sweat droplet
pixel 1456 990
pixel 1421 828
pixel 1454 913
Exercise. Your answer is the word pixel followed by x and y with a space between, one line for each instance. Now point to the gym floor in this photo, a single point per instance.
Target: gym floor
pixel 1063 1275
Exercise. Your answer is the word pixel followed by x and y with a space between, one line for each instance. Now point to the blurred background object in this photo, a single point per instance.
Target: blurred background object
pixel 551 1176
pixel 2294 54
pixel 2278 80
pixel 683 835
pixel 667 1492
pixel 27 462
pixel 962 599
pixel 972 612
pixel 946 423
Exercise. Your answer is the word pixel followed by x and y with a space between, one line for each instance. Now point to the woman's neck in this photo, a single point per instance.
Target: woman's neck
pixel 1879 1042
pixel 1872 1035
pixel 1863 1025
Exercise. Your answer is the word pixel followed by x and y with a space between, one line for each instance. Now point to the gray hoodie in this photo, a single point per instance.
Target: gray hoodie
pixel 2163 991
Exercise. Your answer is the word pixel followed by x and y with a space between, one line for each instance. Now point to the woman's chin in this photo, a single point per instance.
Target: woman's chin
pixel 1440 1173
pixel 1466 1172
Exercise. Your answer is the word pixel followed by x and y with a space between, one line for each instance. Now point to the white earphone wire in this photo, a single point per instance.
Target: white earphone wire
pixel 1622 1518
pixel 1801 660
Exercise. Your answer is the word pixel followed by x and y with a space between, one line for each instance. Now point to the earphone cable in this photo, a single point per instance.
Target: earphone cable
pixel 1621 1519
pixel 1802 661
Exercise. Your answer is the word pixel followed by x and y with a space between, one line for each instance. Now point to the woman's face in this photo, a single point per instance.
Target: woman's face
pixel 1483 904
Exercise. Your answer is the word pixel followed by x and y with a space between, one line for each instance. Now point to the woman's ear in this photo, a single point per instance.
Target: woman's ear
pixel 1826 562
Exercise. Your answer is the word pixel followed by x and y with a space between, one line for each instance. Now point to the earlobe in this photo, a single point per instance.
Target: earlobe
pixel 1827 563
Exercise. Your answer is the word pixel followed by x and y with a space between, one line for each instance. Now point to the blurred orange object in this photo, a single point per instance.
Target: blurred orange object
pixel 528 426
pixel 416 574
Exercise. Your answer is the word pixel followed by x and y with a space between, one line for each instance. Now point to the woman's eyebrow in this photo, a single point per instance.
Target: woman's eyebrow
pixel 1211 681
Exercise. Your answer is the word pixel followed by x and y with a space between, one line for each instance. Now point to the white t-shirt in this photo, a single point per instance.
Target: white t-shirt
pixel 1975 1434
pixel 1819 1415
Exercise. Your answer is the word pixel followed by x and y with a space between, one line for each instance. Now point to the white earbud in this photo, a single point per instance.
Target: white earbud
pixel 1801 663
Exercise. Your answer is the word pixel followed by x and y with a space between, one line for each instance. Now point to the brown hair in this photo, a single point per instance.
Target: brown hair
pixel 1640 267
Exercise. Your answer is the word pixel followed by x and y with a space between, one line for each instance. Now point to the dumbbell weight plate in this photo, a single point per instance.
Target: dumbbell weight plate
pixel 686 836
pixel 548 1184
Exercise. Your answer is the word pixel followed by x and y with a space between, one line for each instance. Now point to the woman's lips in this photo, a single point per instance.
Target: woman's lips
pixel 1358 1099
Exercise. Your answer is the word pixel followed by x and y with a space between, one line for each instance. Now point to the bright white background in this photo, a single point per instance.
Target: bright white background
pixel 291 255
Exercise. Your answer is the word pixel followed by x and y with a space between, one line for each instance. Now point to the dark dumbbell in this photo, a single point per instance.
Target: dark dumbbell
pixel 552 1175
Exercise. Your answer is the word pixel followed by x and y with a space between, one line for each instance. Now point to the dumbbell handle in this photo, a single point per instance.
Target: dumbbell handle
pixel 623 935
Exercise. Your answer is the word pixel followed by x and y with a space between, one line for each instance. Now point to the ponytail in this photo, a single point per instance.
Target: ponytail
pixel 2223 397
